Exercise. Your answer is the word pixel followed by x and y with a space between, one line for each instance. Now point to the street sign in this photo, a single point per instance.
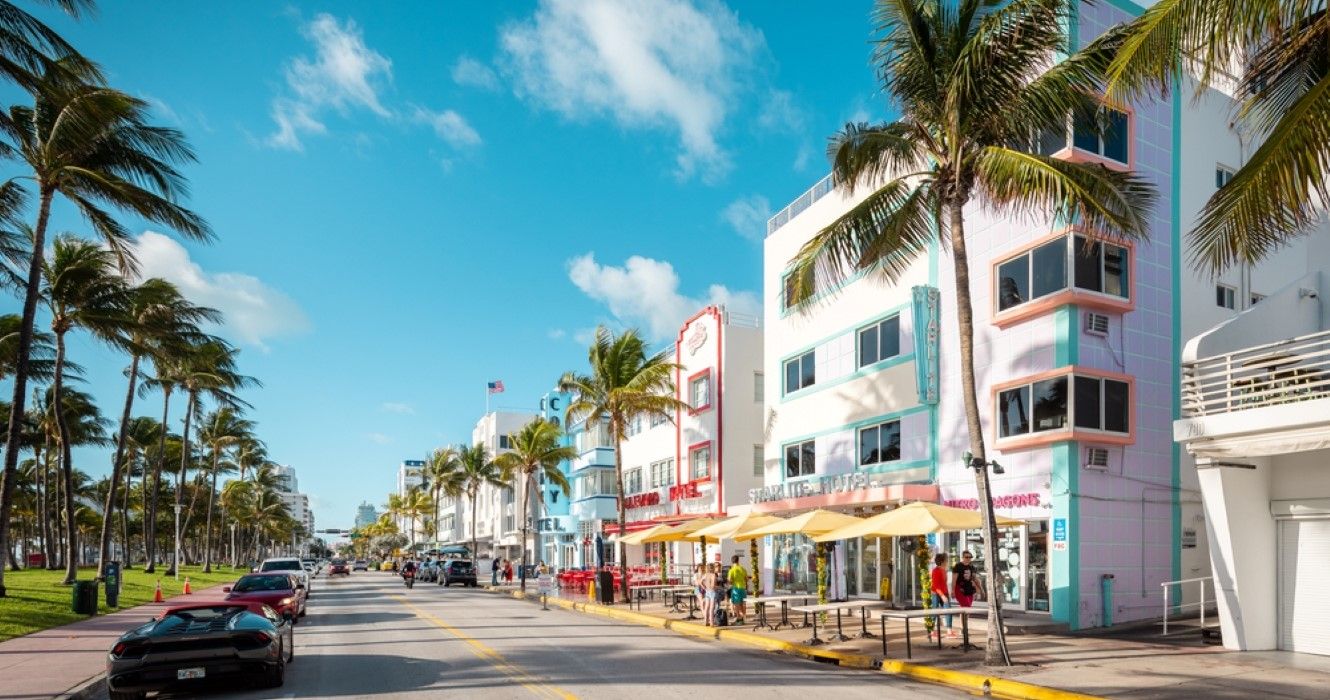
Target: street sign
pixel 545 583
pixel 1059 534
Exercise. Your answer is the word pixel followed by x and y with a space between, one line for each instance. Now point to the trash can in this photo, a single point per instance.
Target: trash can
pixel 85 597
pixel 604 588
pixel 112 579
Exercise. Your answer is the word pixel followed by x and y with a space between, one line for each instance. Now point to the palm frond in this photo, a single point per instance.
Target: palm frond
pixel 863 154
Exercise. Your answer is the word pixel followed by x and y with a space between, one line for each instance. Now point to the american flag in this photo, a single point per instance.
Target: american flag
pixel 496 386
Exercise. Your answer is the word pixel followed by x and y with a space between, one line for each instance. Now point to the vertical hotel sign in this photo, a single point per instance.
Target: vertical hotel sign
pixel 927 317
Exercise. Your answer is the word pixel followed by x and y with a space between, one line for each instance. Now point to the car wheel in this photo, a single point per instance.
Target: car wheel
pixel 275 676
pixel 124 695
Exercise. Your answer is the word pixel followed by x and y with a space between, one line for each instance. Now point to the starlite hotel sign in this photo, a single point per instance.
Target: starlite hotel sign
pixel 832 483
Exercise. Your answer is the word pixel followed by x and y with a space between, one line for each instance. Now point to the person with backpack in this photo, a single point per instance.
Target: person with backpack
pixel 738 580
pixel 495 566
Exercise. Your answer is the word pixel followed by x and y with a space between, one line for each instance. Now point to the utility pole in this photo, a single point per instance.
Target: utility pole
pixel 175 561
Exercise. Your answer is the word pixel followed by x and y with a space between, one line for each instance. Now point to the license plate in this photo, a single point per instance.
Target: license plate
pixel 185 674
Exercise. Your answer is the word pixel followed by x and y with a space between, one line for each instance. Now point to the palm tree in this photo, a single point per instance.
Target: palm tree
pixel 41 355
pixel 536 453
pixel 1279 52
pixel 93 146
pixel 222 430
pixel 624 384
pixel 395 506
pixel 79 423
pixel 161 317
pixel 138 437
pixel 29 48
pixel 439 474
pixel 84 290
pixel 206 368
pixel 971 82
pixel 475 470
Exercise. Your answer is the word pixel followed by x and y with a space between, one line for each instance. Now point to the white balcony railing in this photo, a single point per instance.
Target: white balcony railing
pixel 805 200
pixel 1284 372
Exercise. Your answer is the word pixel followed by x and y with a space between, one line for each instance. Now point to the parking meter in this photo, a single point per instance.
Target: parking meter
pixel 112 579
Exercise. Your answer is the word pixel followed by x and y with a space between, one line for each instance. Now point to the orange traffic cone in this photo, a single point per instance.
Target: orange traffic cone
pixel 187 591
pixel 157 597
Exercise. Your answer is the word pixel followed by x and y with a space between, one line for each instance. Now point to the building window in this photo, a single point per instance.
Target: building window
pixel 880 341
pixel 1256 298
pixel 503 442
pixel 1096 266
pixel 699 461
pixel 800 372
pixel 1102 131
pixel 699 391
pixel 1226 296
pixel 1223 176
pixel 634 426
pixel 759 461
pixel 1090 403
pixel 662 473
pixel 632 480
pixel 880 443
pixel 597 482
pixel 800 459
pixel 658 419
pixel 759 387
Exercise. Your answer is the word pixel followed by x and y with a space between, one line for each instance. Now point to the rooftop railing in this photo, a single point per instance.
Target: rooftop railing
pixel 819 190
pixel 1277 373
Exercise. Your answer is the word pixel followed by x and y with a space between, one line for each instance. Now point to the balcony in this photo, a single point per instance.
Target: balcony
pixel 802 202
pixel 1273 374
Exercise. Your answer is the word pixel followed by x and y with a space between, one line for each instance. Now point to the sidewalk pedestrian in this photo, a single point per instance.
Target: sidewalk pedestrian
pixel 700 592
pixel 738 580
pixel 710 581
pixel 495 566
pixel 508 571
pixel 941 599
pixel 964 581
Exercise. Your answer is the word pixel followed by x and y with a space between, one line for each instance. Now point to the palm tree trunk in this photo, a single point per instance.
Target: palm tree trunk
pixel 475 549
pixel 150 502
pixel 50 537
pixel 995 652
pixel 17 405
pixel 124 520
pixel 618 499
pixel 108 523
pixel 180 480
pixel 66 460
pixel 526 492
pixel 207 530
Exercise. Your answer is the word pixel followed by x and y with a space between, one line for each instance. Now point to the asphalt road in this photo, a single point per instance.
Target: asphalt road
pixel 367 635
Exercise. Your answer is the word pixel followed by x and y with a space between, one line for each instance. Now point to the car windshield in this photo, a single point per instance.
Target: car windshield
pixel 280 565
pixel 204 614
pixel 339 562
pixel 251 584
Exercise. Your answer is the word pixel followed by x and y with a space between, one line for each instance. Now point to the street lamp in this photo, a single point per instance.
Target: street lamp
pixel 981 467
pixel 233 546
pixel 175 560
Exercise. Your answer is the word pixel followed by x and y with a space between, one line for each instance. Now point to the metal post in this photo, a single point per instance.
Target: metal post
pixel 175 561
pixel 1202 582
pixel 1165 610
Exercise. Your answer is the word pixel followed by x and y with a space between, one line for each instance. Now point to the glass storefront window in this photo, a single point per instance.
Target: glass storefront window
pixel 1036 565
pixel 794 558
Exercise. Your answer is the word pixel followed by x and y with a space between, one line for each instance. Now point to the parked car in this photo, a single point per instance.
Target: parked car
pixel 360 565
pixel 289 565
pixel 388 566
pixel 427 571
pixel 339 566
pixel 280 590
pixel 191 648
pixel 458 571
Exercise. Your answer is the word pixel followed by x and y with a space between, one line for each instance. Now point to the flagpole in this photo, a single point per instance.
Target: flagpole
pixel 487 399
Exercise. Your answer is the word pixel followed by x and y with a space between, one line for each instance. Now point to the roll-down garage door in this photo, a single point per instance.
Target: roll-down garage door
pixel 1304 575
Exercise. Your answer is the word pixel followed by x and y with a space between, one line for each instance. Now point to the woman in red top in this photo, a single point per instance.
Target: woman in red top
pixel 939 589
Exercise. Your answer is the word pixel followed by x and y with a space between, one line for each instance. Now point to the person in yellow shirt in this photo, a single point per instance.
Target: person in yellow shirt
pixel 738 580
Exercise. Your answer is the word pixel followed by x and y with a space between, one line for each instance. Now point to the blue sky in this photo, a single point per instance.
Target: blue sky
pixel 417 198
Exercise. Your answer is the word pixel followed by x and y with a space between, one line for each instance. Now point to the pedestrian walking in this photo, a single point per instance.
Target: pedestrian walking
pixel 699 573
pixel 738 580
pixel 710 580
pixel 964 581
pixel 508 571
pixel 495 566
pixel 941 598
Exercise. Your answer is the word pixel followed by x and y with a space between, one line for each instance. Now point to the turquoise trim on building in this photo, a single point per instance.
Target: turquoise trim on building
pixel 1065 565
pixel 864 371
pixel 808 303
pixel 897 466
pixel 934 260
pixel 1127 6
pixel 1176 475
pixel 855 425
pixel 893 311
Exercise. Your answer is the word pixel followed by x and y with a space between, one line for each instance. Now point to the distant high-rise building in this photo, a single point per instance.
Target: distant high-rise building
pixel 366 514
pixel 286 478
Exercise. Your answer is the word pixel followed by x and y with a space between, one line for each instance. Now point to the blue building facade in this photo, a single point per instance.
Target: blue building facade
pixel 595 494
pixel 556 528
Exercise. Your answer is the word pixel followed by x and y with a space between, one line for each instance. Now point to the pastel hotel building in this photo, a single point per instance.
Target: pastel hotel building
pixel 1078 345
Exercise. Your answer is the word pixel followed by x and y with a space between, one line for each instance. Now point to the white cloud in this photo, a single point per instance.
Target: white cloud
pixel 343 74
pixel 803 157
pixel 748 216
pixel 449 126
pixel 646 292
pixel 397 407
pixel 780 114
pixel 469 71
pixel 646 64
pixel 556 334
pixel 254 312
pixel 379 438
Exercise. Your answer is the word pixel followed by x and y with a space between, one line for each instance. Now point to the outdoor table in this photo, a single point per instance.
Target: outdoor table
pixel 640 593
pixel 864 605
pixel 908 615
pixel 675 593
pixel 761 602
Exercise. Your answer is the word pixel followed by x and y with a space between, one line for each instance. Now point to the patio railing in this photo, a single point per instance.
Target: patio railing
pixel 1201 603
pixel 802 202
pixel 1283 372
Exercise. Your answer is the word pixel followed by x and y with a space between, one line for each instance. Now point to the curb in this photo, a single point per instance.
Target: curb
pixel 90 689
pixel 972 682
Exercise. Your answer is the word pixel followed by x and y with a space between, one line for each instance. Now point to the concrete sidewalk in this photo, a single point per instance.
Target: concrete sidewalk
pixel 1135 666
pixel 53 662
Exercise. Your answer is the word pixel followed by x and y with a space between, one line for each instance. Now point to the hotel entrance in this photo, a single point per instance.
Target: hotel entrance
pixel 1022 562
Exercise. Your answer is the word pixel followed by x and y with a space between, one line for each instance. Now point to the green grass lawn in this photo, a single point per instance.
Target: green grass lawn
pixel 36 600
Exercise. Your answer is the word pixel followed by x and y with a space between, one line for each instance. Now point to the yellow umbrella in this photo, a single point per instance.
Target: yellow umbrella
pixel 637 537
pixel 683 532
pixel 729 527
pixel 814 522
pixel 919 518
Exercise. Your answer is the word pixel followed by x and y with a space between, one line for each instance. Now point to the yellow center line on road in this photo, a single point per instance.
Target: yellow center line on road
pixel 495 659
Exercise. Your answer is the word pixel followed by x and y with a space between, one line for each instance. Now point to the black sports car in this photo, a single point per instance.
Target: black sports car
pixel 188 647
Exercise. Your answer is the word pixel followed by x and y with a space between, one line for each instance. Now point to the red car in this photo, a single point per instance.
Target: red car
pixel 282 592
pixel 339 566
